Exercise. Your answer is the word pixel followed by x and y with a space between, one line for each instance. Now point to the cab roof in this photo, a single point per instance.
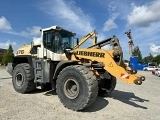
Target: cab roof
pixel 56 28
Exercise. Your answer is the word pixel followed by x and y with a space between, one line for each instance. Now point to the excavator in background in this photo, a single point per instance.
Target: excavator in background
pixel 77 74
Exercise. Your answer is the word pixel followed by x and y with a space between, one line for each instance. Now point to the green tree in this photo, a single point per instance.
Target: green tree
pixel 8 56
pixel 1 57
pixel 156 59
pixel 136 52
pixel 148 58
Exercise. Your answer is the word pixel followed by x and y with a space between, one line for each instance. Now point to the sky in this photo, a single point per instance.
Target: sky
pixel 21 21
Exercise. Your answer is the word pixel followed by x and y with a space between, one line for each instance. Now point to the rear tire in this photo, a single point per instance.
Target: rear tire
pixel 22 79
pixel 106 86
pixel 77 87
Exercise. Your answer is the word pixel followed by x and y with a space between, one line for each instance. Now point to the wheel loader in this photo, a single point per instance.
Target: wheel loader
pixel 77 74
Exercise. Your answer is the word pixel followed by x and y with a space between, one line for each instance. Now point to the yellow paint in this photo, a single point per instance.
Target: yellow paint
pixel 109 64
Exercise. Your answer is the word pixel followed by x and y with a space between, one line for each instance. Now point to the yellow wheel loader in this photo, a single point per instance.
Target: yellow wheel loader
pixel 77 74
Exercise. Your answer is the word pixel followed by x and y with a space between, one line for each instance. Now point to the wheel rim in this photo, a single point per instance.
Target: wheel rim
pixel 71 88
pixel 19 79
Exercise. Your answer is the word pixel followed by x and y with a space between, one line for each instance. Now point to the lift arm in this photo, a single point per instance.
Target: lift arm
pixel 106 61
pixel 110 60
pixel 92 34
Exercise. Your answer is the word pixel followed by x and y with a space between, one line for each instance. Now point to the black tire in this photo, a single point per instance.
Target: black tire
pixel 77 87
pixel 106 86
pixel 22 79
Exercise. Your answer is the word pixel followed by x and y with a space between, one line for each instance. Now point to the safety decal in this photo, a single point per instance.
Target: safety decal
pixel 126 76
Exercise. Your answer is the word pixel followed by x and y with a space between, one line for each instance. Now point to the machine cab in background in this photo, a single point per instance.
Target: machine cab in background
pixel 53 42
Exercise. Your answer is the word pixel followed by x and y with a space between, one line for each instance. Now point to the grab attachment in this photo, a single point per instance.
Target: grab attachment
pixel 138 81
pixel 143 78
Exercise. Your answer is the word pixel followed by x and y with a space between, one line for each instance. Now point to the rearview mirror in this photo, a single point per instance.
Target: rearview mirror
pixel 77 41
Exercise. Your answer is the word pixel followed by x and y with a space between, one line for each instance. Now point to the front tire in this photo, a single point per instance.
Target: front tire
pixel 106 86
pixel 22 79
pixel 77 87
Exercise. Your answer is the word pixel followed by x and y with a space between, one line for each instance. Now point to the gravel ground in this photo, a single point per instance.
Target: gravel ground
pixel 127 102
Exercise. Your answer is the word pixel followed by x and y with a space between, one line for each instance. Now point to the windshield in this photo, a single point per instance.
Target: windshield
pixel 66 38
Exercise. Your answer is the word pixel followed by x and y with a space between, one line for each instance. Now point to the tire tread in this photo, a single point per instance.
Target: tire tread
pixel 30 85
pixel 92 83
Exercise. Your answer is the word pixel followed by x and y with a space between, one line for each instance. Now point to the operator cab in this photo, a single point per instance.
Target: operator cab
pixel 54 40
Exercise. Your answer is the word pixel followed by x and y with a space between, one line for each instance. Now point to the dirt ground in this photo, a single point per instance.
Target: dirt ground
pixel 127 102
